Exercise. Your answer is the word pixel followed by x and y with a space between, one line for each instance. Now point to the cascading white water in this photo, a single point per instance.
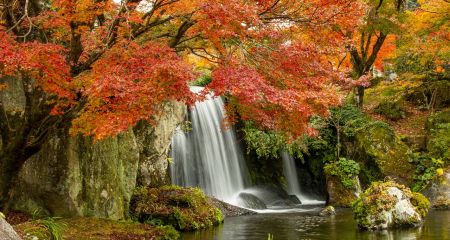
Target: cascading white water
pixel 208 156
pixel 290 173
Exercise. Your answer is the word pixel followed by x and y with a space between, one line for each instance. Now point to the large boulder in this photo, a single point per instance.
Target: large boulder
pixel 389 205
pixel 6 231
pixel 75 176
pixel 378 145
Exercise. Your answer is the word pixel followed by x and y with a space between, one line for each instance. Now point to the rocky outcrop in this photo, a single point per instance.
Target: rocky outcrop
pixel 389 205
pixel 439 191
pixel 378 145
pixel 339 195
pixel 75 176
pixel 7 232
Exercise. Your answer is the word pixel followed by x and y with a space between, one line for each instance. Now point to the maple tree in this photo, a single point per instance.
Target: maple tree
pixel 423 50
pixel 104 65
pixel 373 41
pixel 267 54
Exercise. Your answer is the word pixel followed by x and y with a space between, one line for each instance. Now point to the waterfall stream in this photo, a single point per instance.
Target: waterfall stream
pixel 292 179
pixel 208 156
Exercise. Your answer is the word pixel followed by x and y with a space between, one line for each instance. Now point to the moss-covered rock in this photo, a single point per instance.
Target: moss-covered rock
pixel 389 205
pixel 338 194
pixel 378 143
pixel 393 110
pixel 438 190
pixel 184 208
pixel 75 176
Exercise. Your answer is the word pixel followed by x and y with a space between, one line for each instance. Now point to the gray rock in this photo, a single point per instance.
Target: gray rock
pixel 438 192
pixel 251 201
pixel 7 232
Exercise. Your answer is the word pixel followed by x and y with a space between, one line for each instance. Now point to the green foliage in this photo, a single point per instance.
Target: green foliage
pixel 269 144
pixel 185 209
pixel 2 215
pixel 202 81
pixel 345 169
pixel 439 142
pixel 47 228
pixel 426 170
pixel 353 120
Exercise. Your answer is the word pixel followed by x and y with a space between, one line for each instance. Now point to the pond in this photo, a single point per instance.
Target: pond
pixel 306 224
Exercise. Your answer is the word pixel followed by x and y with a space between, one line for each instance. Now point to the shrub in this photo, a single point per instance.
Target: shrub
pixel 345 169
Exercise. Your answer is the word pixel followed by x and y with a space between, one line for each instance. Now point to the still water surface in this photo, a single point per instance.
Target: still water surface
pixel 306 224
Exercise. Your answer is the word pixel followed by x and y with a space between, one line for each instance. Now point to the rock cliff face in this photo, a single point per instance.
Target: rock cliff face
pixel 75 176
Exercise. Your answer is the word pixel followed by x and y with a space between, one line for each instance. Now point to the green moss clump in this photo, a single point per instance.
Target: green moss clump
pixel 186 209
pixel 393 110
pixel 421 203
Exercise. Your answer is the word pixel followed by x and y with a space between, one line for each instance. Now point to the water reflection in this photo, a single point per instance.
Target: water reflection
pixel 310 226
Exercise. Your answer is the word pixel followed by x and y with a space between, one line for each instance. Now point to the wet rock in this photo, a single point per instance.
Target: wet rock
pixel 229 210
pixel 338 194
pixel 251 201
pixel 328 211
pixel 390 205
pixel 6 231
pixel 294 199
pixel 439 191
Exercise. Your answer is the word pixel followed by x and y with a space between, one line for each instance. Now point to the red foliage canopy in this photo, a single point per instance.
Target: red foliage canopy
pixel 121 62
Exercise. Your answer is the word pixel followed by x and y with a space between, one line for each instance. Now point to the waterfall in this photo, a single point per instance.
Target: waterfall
pixel 208 156
pixel 290 173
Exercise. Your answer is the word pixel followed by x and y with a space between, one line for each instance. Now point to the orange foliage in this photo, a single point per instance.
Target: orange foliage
pixel 114 60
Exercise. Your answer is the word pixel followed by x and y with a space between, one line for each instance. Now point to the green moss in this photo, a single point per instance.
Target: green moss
pixel 379 144
pixel 84 228
pixel 393 110
pixel 376 200
pixel 421 203
pixel 185 209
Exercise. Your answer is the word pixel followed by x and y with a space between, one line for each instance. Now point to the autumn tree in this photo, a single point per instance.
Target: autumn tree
pixel 100 66
pixel 423 51
pixel 381 20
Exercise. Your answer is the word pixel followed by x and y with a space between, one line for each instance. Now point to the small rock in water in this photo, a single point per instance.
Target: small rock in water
pixel 328 211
